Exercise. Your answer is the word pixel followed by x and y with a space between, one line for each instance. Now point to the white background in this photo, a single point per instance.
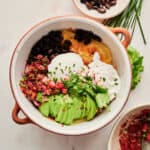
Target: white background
pixel 16 16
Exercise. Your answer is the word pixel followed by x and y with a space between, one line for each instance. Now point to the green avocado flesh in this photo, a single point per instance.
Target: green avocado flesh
pixel 102 100
pixel 66 109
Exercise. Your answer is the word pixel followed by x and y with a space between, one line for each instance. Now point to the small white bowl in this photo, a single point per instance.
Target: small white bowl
pixel 112 12
pixel 113 143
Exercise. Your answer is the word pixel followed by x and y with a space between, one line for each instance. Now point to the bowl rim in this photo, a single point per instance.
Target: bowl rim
pixel 13 92
pixel 121 119
pixel 96 16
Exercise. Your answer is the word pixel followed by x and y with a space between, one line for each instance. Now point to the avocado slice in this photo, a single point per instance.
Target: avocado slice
pixel 55 103
pixel 76 108
pixel 60 113
pixel 83 110
pixel 52 108
pixel 93 108
pixel 64 115
pixel 44 109
pixel 70 116
pixel 73 111
pixel 102 100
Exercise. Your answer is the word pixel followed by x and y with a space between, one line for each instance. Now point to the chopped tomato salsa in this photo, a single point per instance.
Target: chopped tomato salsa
pixel 133 132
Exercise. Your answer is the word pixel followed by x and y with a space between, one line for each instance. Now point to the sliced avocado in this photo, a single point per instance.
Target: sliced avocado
pixel 44 109
pixel 68 99
pixel 92 110
pixel 76 108
pixel 64 115
pixel 83 110
pixel 58 103
pixel 52 108
pixel 55 103
pixel 60 113
pixel 88 105
pixel 73 111
pixel 102 100
pixel 70 116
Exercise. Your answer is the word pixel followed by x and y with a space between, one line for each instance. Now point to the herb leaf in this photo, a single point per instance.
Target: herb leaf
pixel 137 65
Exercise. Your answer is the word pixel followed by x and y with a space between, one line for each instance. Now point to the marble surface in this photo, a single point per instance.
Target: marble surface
pixel 16 16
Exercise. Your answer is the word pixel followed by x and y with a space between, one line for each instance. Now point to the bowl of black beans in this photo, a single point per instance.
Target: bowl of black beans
pixel 101 9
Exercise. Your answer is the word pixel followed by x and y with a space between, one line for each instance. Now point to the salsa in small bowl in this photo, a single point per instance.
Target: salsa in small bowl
pixel 132 131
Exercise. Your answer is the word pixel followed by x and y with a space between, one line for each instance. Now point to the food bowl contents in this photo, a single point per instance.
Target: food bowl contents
pixel 99 5
pixel 70 76
pixel 135 131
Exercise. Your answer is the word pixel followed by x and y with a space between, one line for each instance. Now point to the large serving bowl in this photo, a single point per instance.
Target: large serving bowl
pixel 120 59
pixel 113 143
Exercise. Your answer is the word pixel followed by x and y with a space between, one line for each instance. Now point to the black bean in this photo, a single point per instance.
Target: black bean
pixel 67 44
pixel 87 41
pixel 83 1
pixel 50 51
pixel 88 5
pixel 114 2
pixel 97 38
pixel 52 44
pixel 101 10
pixel 99 5
pixel 107 5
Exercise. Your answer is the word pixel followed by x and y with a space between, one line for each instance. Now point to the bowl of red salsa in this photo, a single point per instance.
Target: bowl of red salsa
pixel 132 130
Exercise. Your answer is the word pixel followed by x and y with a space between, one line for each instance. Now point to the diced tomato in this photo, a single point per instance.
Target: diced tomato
pixel 148 137
pixel 51 84
pixel 144 127
pixel 39 57
pixel 64 91
pixel 48 92
pixel 131 134
pixel 59 85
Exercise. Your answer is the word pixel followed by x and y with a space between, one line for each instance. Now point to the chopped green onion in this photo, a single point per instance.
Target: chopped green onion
pixel 129 18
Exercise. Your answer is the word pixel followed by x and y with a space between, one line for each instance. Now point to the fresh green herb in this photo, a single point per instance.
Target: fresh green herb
pixel 54 72
pixel 66 67
pixel 129 18
pixel 39 96
pixel 50 73
pixel 116 83
pixel 88 78
pixel 137 65
pixel 69 68
pixel 104 79
pixel 115 94
pixel 81 86
pixel 55 80
pixel 62 71
pixel 115 79
pixel 24 77
pixel 99 89
pixel 83 69
pixel 22 84
pixel 56 68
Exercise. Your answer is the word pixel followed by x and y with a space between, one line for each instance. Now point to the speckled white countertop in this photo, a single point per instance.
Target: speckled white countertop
pixel 16 16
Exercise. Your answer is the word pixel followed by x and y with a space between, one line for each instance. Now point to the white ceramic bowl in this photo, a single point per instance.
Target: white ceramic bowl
pixel 113 143
pixel 21 53
pixel 112 12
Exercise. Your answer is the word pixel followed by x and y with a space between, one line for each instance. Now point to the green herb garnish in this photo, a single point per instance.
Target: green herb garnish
pixel 137 65
pixel 129 18
pixel 39 96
